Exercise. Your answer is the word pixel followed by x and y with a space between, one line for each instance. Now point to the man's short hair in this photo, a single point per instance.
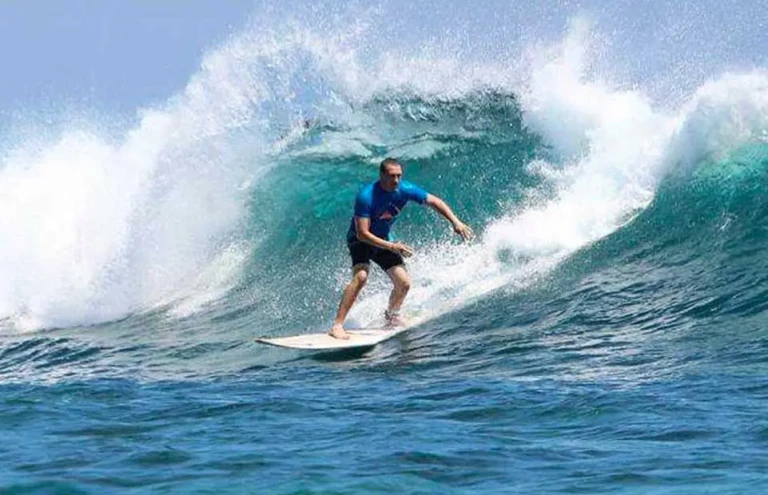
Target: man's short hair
pixel 386 162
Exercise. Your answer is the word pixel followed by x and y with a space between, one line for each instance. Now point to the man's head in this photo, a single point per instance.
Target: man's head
pixel 390 174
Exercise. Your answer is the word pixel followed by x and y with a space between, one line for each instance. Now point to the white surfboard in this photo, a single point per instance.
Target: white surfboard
pixel 358 339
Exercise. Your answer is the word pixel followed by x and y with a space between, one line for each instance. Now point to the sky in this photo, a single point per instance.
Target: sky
pixel 109 54
pixel 118 56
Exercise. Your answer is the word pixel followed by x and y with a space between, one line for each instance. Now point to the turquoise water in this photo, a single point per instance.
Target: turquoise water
pixel 605 333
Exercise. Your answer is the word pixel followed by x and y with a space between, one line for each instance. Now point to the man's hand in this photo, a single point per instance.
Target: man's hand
pixel 460 228
pixel 402 249
pixel 463 230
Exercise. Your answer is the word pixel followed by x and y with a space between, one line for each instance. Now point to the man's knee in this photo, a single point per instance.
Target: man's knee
pixel 403 284
pixel 360 277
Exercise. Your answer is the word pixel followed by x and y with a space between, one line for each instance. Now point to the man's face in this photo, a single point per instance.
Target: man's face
pixel 391 176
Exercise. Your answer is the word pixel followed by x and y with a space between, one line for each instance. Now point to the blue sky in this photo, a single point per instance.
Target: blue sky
pixel 116 56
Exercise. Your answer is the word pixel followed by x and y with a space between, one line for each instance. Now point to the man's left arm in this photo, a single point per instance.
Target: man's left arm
pixel 443 209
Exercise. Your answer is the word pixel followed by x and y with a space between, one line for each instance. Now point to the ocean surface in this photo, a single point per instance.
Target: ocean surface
pixel 606 332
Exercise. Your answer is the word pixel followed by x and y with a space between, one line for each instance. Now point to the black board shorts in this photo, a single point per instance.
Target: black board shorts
pixel 362 252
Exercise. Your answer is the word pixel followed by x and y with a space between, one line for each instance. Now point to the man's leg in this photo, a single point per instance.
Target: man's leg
pixel 353 288
pixel 401 282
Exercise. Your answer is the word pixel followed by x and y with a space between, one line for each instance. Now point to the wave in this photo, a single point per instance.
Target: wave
pixel 230 199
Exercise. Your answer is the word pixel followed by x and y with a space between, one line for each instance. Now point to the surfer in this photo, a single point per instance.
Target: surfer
pixel 376 208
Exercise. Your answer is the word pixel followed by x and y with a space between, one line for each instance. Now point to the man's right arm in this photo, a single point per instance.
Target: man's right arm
pixel 364 234
pixel 363 222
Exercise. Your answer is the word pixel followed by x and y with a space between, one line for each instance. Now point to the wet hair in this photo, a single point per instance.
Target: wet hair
pixel 386 162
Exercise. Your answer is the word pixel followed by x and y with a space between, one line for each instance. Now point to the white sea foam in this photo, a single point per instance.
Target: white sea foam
pixel 722 115
pixel 92 230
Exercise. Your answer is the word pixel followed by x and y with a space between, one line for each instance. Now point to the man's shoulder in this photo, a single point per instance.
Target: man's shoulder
pixel 413 191
pixel 408 185
pixel 365 193
pixel 368 187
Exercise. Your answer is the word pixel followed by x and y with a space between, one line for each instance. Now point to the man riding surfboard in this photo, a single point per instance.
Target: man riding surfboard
pixel 377 206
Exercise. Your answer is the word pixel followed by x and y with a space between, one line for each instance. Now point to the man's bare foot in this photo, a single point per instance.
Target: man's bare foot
pixel 337 332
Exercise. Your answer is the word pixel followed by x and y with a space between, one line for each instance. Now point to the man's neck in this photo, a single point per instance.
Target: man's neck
pixel 378 183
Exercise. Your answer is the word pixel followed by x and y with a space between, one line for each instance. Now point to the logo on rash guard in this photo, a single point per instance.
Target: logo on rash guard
pixel 390 212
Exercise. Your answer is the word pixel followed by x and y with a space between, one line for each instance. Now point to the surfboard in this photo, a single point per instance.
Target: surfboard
pixel 358 339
